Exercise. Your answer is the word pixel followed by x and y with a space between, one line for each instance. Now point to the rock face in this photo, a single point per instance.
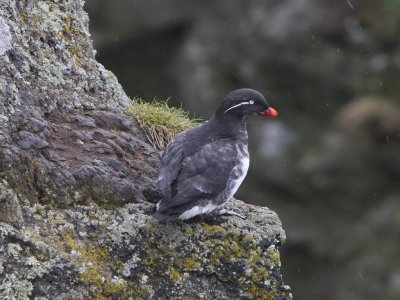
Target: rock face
pixel 75 203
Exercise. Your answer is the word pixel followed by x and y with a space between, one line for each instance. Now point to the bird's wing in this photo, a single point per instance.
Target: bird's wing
pixel 203 175
pixel 171 164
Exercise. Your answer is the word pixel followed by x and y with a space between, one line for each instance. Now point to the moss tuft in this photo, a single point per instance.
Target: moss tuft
pixel 160 122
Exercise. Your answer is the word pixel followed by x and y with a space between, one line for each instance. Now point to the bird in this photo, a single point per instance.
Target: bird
pixel 203 167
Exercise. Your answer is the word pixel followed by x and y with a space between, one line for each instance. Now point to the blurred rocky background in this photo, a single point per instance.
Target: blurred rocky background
pixel 330 165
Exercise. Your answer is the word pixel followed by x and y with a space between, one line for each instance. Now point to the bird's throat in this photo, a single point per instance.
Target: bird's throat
pixel 233 126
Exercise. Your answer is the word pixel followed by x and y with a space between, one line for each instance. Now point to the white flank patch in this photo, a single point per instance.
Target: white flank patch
pixel 244 166
pixel 241 169
pixel 194 211
pixel 242 103
pixel 197 210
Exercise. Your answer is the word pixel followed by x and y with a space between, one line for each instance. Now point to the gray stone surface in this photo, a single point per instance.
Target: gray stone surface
pixel 50 65
pixel 89 251
pixel 5 37
pixel 76 200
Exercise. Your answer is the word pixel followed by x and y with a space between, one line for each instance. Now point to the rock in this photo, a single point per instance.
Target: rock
pixel 51 62
pixel 76 172
pixel 29 140
pixel 93 252
pixel 10 208
pixel 5 37
pixel 81 121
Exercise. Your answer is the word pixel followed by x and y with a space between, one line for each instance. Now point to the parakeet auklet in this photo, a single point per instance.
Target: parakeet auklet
pixel 202 168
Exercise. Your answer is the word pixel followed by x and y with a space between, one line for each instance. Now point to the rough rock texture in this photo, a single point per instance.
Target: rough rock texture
pixel 75 203
pixel 50 65
pixel 93 252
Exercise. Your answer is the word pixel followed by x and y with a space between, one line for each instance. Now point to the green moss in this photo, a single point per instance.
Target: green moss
pixel 160 122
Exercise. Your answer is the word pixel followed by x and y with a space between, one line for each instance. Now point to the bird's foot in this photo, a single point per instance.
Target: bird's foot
pixel 228 212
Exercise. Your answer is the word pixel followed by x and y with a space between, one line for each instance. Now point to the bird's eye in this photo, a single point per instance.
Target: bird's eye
pixel 251 102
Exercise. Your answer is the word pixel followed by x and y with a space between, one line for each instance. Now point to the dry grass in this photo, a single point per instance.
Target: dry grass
pixel 160 122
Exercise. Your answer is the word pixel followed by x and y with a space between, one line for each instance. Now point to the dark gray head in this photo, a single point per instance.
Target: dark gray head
pixel 243 103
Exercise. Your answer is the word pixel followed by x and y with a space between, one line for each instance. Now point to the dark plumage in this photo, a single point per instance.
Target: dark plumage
pixel 203 167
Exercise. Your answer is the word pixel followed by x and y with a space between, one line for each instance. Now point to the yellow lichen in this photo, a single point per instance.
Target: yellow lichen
pixel 274 256
pixel 192 263
pixel 261 293
pixel 166 265
pixel 175 275
pixel 77 63
pixel 213 229
pixel 70 243
pixel 97 269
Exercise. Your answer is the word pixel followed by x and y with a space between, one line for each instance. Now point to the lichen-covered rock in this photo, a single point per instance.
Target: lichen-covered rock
pixel 76 200
pixel 10 209
pixel 5 37
pixel 93 252
pixel 49 62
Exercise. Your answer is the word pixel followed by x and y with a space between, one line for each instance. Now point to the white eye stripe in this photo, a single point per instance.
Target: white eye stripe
pixel 242 103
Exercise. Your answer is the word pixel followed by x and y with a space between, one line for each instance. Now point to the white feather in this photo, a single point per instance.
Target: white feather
pixel 198 210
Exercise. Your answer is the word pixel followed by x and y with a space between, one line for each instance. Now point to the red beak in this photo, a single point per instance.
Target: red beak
pixel 270 113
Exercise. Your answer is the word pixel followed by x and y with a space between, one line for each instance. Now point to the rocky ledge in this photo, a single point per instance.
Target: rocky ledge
pixel 88 251
pixel 76 201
